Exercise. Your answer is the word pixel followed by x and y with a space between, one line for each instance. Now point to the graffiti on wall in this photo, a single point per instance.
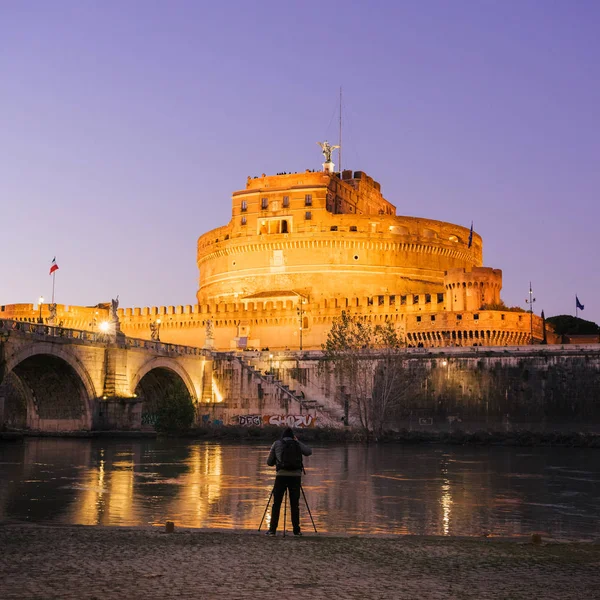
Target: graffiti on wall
pixel 250 420
pixel 299 421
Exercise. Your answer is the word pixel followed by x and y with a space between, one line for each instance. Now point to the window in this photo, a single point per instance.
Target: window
pixel 402 299
pixel 286 202
pixel 308 200
pixel 502 317
pixel 244 205
pixel 308 215
pixel 476 317
pixel 334 228
pixel 392 300
pixel 353 228
pixel 380 300
pixel 369 301
pixel 427 298
pixel 244 220
pixel 419 319
pixel 459 317
pixel 415 298
pixel 440 298
pixel 264 203
pixel 433 317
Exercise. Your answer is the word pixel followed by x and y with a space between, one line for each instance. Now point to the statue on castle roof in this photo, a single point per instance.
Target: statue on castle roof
pixel 114 305
pixel 327 149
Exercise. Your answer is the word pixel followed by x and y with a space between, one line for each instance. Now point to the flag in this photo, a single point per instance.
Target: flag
pixel 53 266
pixel 578 304
pixel 471 235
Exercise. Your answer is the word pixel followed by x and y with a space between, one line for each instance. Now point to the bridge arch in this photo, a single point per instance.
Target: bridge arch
pixel 165 364
pixel 54 387
pixel 159 382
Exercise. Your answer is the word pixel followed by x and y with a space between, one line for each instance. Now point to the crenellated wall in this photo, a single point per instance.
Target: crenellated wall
pixel 422 319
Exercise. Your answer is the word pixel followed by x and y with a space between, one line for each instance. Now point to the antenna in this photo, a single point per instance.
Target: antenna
pixel 340 142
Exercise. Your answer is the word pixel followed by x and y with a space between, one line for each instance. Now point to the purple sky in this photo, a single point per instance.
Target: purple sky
pixel 125 126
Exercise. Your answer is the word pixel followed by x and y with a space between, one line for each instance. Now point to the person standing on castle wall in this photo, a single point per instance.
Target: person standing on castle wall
pixel 286 456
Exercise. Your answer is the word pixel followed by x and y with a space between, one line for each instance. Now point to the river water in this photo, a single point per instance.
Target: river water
pixel 387 489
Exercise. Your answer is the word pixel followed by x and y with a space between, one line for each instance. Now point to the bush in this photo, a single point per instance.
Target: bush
pixel 175 411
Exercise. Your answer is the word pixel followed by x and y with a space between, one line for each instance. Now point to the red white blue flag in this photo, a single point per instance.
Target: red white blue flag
pixel 53 266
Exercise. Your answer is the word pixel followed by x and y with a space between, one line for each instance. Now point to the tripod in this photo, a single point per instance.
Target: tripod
pixel 285 509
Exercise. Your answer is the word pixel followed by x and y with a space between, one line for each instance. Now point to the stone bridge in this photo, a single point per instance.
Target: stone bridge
pixel 57 379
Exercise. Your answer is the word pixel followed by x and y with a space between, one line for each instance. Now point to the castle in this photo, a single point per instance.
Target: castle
pixel 299 249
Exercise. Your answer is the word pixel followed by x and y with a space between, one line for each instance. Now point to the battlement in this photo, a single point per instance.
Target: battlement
pixel 287 180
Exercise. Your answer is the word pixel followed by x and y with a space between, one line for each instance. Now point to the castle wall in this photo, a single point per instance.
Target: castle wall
pixel 422 320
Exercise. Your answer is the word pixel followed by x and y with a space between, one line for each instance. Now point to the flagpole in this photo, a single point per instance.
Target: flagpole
pixel 53 281
pixel 576 307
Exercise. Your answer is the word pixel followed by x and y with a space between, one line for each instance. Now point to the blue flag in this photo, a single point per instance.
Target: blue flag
pixel 471 236
pixel 578 304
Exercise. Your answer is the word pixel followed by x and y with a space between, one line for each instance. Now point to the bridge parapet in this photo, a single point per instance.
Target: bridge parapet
pixel 79 336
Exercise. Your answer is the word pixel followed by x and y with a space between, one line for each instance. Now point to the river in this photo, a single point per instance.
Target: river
pixel 386 489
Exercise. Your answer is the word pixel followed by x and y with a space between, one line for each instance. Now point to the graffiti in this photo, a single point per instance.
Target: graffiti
pixel 206 421
pixel 250 420
pixel 149 419
pixel 290 420
pixel 278 420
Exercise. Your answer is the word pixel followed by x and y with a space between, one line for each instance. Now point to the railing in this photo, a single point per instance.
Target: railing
pixel 44 330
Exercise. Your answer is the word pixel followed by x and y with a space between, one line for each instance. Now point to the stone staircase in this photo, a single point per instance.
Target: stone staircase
pixel 328 416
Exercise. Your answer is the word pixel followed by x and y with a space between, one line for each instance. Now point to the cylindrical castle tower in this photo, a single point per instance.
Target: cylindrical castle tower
pixel 322 235
pixel 472 290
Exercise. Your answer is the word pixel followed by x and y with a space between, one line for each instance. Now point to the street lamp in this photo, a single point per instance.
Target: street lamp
pixel 40 302
pixel 530 301
pixel 270 364
pixel 300 313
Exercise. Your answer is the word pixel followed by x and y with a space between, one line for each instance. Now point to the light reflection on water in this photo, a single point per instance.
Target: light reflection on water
pixel 425 490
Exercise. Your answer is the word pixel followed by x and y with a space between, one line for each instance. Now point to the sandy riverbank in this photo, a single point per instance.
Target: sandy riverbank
pixel 52 562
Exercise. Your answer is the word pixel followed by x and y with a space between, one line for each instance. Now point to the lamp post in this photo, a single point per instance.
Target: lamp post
pixel 530 301
pixel 40 302
pixel 270 364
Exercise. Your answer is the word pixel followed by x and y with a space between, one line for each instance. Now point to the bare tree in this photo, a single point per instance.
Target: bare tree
pixel 369 362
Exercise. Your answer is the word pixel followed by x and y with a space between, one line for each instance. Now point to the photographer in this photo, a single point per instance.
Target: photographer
pixel 286 455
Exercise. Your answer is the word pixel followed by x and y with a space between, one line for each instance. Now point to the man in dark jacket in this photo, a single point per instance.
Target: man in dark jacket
pixel 287 478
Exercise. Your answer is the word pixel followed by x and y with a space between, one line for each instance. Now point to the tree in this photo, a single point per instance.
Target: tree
pixel 175 410
pixel 567 324
pixel 369 362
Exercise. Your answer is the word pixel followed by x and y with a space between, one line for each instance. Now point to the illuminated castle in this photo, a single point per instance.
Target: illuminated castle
pixel 302 247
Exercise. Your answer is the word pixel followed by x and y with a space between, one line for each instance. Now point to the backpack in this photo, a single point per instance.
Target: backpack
pixel 291 456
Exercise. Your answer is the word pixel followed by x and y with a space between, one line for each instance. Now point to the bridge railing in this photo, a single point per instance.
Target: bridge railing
pixel 42 329
pixel 164 347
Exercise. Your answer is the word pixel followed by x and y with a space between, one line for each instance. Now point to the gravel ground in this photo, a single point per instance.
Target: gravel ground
pixel 64 562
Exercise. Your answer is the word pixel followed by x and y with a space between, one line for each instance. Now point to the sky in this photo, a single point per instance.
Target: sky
pixel 126 125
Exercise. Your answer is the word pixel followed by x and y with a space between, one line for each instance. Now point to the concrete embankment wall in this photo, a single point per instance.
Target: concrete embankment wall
pixel 536 388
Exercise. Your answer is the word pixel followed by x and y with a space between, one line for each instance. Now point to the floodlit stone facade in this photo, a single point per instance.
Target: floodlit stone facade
pixel 300 248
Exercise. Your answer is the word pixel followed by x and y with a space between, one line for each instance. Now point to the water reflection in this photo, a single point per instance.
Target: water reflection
pixel 350 489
